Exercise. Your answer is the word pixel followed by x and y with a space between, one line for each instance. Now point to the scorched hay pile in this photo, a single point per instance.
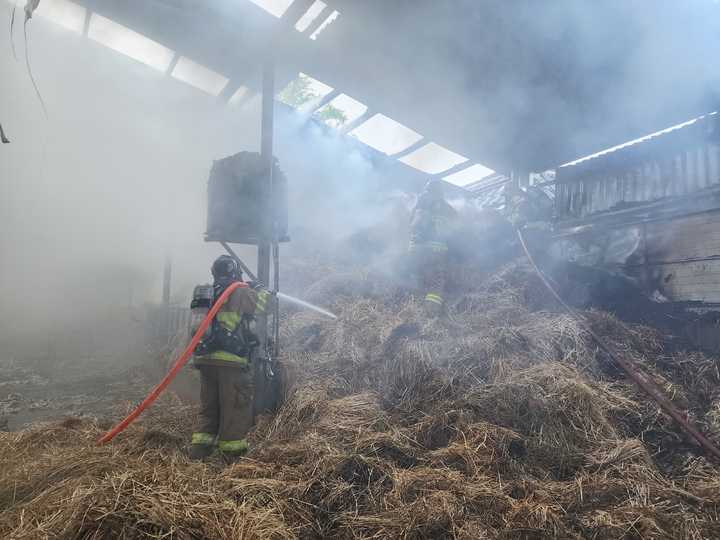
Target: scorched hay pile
pixel 500 420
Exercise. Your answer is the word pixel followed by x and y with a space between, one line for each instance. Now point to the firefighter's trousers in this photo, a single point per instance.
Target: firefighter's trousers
pixel 225 407
pixel 427 273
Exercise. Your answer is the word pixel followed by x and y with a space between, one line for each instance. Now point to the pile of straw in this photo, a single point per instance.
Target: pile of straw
pixel 494 421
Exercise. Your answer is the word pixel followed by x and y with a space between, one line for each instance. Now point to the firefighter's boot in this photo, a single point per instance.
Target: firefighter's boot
pixel 231 456
pixel 200 452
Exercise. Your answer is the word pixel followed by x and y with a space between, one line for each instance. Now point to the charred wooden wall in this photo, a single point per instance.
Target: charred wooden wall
pixel 664 192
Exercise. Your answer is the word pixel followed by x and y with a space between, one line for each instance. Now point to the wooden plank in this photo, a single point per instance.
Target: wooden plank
pixel 690 237
pixel 694 281
pixel 713 164
pixel 702 168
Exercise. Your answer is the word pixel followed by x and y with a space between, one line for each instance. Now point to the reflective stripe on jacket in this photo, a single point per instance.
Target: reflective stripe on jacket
pixel 242 301
pixel 442 220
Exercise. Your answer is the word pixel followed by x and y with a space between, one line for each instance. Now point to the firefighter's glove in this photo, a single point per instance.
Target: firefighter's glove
pixel 256 286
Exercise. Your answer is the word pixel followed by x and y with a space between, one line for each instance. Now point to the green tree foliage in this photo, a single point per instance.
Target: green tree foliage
pixel 299 92
pixel 332 116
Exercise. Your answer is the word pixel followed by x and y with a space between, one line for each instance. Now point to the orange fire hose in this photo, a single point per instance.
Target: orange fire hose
pixel 648 386
pixel 176 368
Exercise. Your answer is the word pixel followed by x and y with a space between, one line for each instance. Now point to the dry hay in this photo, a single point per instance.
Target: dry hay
pixel 494 421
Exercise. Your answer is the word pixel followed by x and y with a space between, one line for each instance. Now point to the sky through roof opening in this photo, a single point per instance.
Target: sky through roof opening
pixel 433 159
pixel 62 12
pixel 302 91
pixel 331 18
pixel 468 176
pixel 199 76
pixel 385 135
pixel 128 42
pixel 310 15
pixel 340 111
pixel 274 7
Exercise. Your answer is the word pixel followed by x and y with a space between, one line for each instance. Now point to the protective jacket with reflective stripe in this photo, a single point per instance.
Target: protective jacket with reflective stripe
pixel 242 301
pixel 432 221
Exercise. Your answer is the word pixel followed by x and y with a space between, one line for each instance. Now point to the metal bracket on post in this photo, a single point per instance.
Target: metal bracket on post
pixel 242 265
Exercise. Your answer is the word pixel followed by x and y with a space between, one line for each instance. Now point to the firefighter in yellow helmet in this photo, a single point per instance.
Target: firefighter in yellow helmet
pixel 432 220
pixel 226 377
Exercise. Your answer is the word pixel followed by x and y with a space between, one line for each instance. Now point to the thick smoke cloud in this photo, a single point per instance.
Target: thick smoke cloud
pixel 516 83
pixel 129 149
pixel 336 186
pixel 85 219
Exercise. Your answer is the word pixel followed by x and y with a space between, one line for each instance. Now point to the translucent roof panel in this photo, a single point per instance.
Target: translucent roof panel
pixel 310 15
pixel 385 135
pixel 331 18
pixel 128 42
pixel 303 90
pixel 62 12
pixel 274 7
pixel 238 95
pixel 341 111
pixel 433 158
pixel 199 76
pixel 469 175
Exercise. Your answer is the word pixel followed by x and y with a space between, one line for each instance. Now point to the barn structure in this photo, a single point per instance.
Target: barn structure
pixel 477 94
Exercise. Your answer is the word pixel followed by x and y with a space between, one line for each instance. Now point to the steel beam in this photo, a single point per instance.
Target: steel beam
pixel 242 264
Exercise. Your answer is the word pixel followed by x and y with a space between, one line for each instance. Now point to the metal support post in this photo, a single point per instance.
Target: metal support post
pixel 165 313
pixel 267 229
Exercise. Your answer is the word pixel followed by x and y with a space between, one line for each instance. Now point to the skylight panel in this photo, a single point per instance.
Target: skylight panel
pixel 238 95
pixel 199 76
pixel 433 158
pixel 128 42
pixel 310 15
pixel 385 135
pixel 331 18
pixel 316 87
pixel 469 175
pixel 303 90
pixel 62 12
pixel 341 111
pixel 274 7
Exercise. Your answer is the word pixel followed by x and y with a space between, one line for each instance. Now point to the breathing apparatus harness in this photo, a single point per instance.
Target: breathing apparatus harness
pixel 423 229
pixel 240 341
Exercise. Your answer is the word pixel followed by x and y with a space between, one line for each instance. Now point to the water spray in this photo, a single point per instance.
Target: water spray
pixel 306 304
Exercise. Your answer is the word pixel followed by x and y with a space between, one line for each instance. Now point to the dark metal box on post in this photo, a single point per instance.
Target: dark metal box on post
pixel 236 210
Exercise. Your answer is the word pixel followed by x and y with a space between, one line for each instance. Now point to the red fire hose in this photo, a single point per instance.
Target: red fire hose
pixel 648 386
pixel 174 371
